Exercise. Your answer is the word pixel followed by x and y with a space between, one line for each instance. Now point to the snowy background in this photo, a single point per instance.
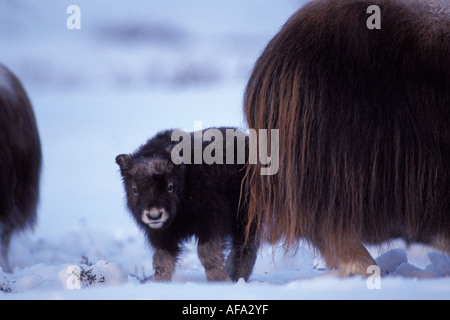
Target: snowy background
pixel 135 68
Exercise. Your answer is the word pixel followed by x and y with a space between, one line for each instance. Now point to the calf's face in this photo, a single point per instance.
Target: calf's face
pixel 152 187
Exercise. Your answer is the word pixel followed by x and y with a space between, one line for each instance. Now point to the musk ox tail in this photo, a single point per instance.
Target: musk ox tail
pixel 364 128
pixel 20 161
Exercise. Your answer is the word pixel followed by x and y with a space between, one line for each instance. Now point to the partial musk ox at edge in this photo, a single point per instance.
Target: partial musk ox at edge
pixel 20 161
pixel 364 126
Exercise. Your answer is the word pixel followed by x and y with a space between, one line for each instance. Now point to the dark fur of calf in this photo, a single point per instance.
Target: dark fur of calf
pixel 364 126
pixel 171 203
pixel 20 161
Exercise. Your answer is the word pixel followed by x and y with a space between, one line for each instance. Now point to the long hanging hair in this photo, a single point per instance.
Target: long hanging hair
pixel 20 161
pixel 364 125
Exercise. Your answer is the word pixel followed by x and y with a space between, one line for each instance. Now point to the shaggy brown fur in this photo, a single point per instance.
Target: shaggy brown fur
pixel 364 120
pixel 20 161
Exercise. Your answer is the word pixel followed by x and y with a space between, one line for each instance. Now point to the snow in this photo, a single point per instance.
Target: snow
pixel 133 69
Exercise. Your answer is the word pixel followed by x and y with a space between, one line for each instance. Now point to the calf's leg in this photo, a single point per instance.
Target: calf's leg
pixel 164 264
pixel 210 254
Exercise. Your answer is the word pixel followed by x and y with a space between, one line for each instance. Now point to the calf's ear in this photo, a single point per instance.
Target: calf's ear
pixel 123 160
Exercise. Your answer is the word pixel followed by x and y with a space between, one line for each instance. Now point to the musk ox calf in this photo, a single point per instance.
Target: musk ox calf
pixel 361 98
pixel 173 202
pixel 20 161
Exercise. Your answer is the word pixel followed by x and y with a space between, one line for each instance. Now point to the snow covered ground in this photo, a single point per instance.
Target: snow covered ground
pixel 134 68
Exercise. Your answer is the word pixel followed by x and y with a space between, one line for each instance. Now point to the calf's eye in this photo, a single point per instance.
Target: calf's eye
pixel 170 187
pixel 135 191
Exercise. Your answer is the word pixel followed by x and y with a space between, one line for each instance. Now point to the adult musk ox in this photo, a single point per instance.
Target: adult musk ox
pixel 20 161
pixel 173 202
pixel 364 128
